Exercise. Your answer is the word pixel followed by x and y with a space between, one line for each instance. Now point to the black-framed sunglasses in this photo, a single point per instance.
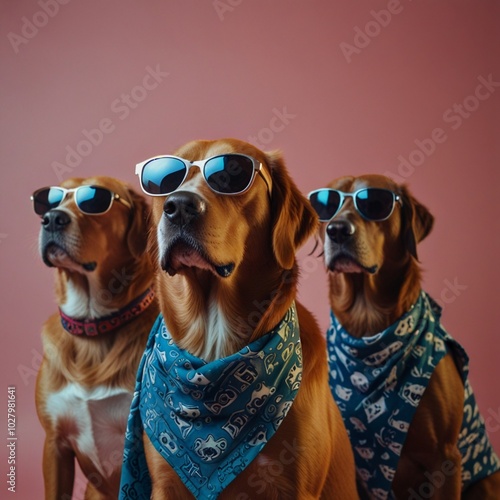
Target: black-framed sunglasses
pixel 374 204
pixel 227 174
pixel 90 200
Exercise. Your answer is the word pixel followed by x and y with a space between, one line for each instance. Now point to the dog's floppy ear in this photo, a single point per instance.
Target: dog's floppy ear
pixel 138 228
pixel 416 221
pixel 293 219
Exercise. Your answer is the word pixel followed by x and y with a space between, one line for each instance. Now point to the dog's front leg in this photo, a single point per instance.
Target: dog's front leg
pixel 165 482
pixel 430 463
pixel 58 469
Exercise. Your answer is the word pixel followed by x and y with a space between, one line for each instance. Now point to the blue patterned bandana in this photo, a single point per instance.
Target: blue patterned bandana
pixel 209 420
pixel 378 382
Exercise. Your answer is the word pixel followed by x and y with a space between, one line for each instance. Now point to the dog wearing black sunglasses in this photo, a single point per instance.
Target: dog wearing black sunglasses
pixel 399 379
pixel 206 421
pixel 93 234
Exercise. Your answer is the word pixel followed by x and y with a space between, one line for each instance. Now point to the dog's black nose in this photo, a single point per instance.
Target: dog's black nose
pixel 340 230
pixel 55 220
pixel 182 207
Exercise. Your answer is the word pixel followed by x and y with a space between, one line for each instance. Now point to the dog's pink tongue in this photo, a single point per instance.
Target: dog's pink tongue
pixel 57 254
pixel 60 258
pixel 347 266
pixel 189 258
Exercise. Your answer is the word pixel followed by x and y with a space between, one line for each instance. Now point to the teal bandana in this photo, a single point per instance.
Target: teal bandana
pixel 209 420
pixel 378 382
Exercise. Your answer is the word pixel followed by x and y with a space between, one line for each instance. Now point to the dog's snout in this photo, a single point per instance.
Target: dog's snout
pixel 55 220
pixel 182 207
pixel 340 231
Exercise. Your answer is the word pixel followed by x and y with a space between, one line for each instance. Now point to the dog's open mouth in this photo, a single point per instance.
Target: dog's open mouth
pixel 55 256
pixel 189 255
pixel 344 263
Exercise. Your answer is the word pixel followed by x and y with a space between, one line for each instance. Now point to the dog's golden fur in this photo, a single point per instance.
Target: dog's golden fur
pixel 386 284
pixel 100 368
pixel 255 236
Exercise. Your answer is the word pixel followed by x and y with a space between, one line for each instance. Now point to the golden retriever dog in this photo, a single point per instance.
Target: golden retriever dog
pixel 399 379
pixel 93 233
pixel 232 399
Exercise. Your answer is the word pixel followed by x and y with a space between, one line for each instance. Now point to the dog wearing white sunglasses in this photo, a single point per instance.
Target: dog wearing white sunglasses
pixel 399 379
pixel 94 235
pixel 232 400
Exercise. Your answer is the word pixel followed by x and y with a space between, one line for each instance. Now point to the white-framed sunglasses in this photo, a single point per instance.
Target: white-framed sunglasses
pixel 227 174
pixel 374 204
pixel 90 200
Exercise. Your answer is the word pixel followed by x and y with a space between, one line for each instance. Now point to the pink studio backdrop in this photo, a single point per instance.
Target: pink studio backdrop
pixel 341 87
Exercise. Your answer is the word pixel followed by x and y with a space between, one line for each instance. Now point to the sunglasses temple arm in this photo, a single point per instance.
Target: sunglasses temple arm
pixel 117 197
pixel 267 179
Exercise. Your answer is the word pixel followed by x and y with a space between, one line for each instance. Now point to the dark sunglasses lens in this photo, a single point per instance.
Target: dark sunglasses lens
pixel 326 203
pixel 229 174
pixel 93 200
pixel 47 199
pixel 375 204
pixel 162 175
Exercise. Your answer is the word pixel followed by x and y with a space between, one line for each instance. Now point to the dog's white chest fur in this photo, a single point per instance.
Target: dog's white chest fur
pixel 92 421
